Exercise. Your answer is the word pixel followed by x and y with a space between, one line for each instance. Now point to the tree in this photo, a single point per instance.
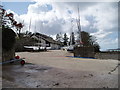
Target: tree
pixel 59 37
pixel 86 39
pixel 19 26
pixel 72 39
pixel 8 35
pixel 65 39
pixel 8 21
pixel 89 40
pixel 96 47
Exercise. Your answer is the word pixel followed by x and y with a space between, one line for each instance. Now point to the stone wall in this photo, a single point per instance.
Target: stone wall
pixel 7 55
pixel 8 42
pixel 108 55
pixel 84 52
pixel 89 52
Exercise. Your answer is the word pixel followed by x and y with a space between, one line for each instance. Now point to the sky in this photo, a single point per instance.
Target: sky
pixel 100 19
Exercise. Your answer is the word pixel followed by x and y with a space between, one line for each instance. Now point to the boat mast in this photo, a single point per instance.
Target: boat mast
pixel 40 43
pixel 71 32
pixel 79 41
pixel 30 25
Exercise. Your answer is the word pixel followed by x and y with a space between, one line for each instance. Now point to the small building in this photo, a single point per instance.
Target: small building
pixel 45 41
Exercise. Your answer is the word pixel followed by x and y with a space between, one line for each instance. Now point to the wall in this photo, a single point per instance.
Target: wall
pixel 43 42
pixel 84 51
pixel 8 42
pixel 7 55
pixel 108 55
pixel 54 46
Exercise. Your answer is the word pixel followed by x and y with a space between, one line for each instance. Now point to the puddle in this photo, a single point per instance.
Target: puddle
pixel 31 71
pixel 41 69
pixel 35 68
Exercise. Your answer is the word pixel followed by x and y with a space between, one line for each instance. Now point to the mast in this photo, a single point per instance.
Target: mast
pixel 79 41
pixel 30 25
pixel 35 27
pixel 38 36
pixel 39 31
pixel 23 24
pixel 71 32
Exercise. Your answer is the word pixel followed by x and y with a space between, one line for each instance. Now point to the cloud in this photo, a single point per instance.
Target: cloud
pixel 109 43
pixel 99 19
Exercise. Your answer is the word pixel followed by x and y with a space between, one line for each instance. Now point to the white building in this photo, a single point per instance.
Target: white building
pixel 46 41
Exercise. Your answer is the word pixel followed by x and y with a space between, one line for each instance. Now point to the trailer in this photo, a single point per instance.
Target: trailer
pixel 16 59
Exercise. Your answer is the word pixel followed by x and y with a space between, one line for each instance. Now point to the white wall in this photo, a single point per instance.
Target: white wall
pixel 54 46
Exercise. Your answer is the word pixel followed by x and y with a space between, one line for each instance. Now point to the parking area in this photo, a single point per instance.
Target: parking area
pixel 54 69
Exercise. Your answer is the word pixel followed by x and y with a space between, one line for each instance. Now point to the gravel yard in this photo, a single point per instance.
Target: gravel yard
pixel 52 69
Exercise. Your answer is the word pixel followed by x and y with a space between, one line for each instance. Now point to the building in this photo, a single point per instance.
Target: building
pixel 45 41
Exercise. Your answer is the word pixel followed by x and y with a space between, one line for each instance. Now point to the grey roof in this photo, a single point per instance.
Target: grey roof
pixel 46 38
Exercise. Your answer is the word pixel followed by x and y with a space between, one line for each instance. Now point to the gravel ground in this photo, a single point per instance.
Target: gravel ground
pixel 53 69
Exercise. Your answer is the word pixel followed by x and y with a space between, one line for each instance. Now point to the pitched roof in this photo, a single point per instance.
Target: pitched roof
pixel 45 37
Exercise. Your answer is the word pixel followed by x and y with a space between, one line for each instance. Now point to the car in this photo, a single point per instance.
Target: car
pixel 70 48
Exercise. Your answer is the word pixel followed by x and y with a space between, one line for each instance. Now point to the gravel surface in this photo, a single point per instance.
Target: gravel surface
pixel 52 69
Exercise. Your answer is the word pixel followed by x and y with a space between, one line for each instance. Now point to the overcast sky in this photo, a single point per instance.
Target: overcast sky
pixel 99 19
